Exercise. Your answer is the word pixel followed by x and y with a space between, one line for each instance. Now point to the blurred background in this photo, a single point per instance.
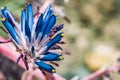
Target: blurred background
pixel 92 35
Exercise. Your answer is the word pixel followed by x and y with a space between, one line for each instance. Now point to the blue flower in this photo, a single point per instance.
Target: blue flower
pixel 36 42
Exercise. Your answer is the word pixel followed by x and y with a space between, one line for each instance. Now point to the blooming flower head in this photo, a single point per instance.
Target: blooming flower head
pixel 36 41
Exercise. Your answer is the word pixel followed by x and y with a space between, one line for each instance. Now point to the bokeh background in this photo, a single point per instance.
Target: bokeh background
pixel 92 36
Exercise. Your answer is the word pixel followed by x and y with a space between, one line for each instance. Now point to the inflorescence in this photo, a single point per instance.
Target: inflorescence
pixel 36 42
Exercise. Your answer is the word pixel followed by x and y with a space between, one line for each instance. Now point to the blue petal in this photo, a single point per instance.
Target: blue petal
pixel 46 18
pixel 30 16
pixel 49 56
pixel 27 31
pixel 3 11
pixel 50 25
pixel 48 9
pixel 8 16
pixel 45 66
pixel 23 18
pixel 45 23
pixel 10 29
pixel 56 39
pixel 39 25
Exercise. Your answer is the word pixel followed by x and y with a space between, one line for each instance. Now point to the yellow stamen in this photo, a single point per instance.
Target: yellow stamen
pixel 2 19
pixel 53 70
pixel 62 34
pixel 55 14
pixel 60 57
